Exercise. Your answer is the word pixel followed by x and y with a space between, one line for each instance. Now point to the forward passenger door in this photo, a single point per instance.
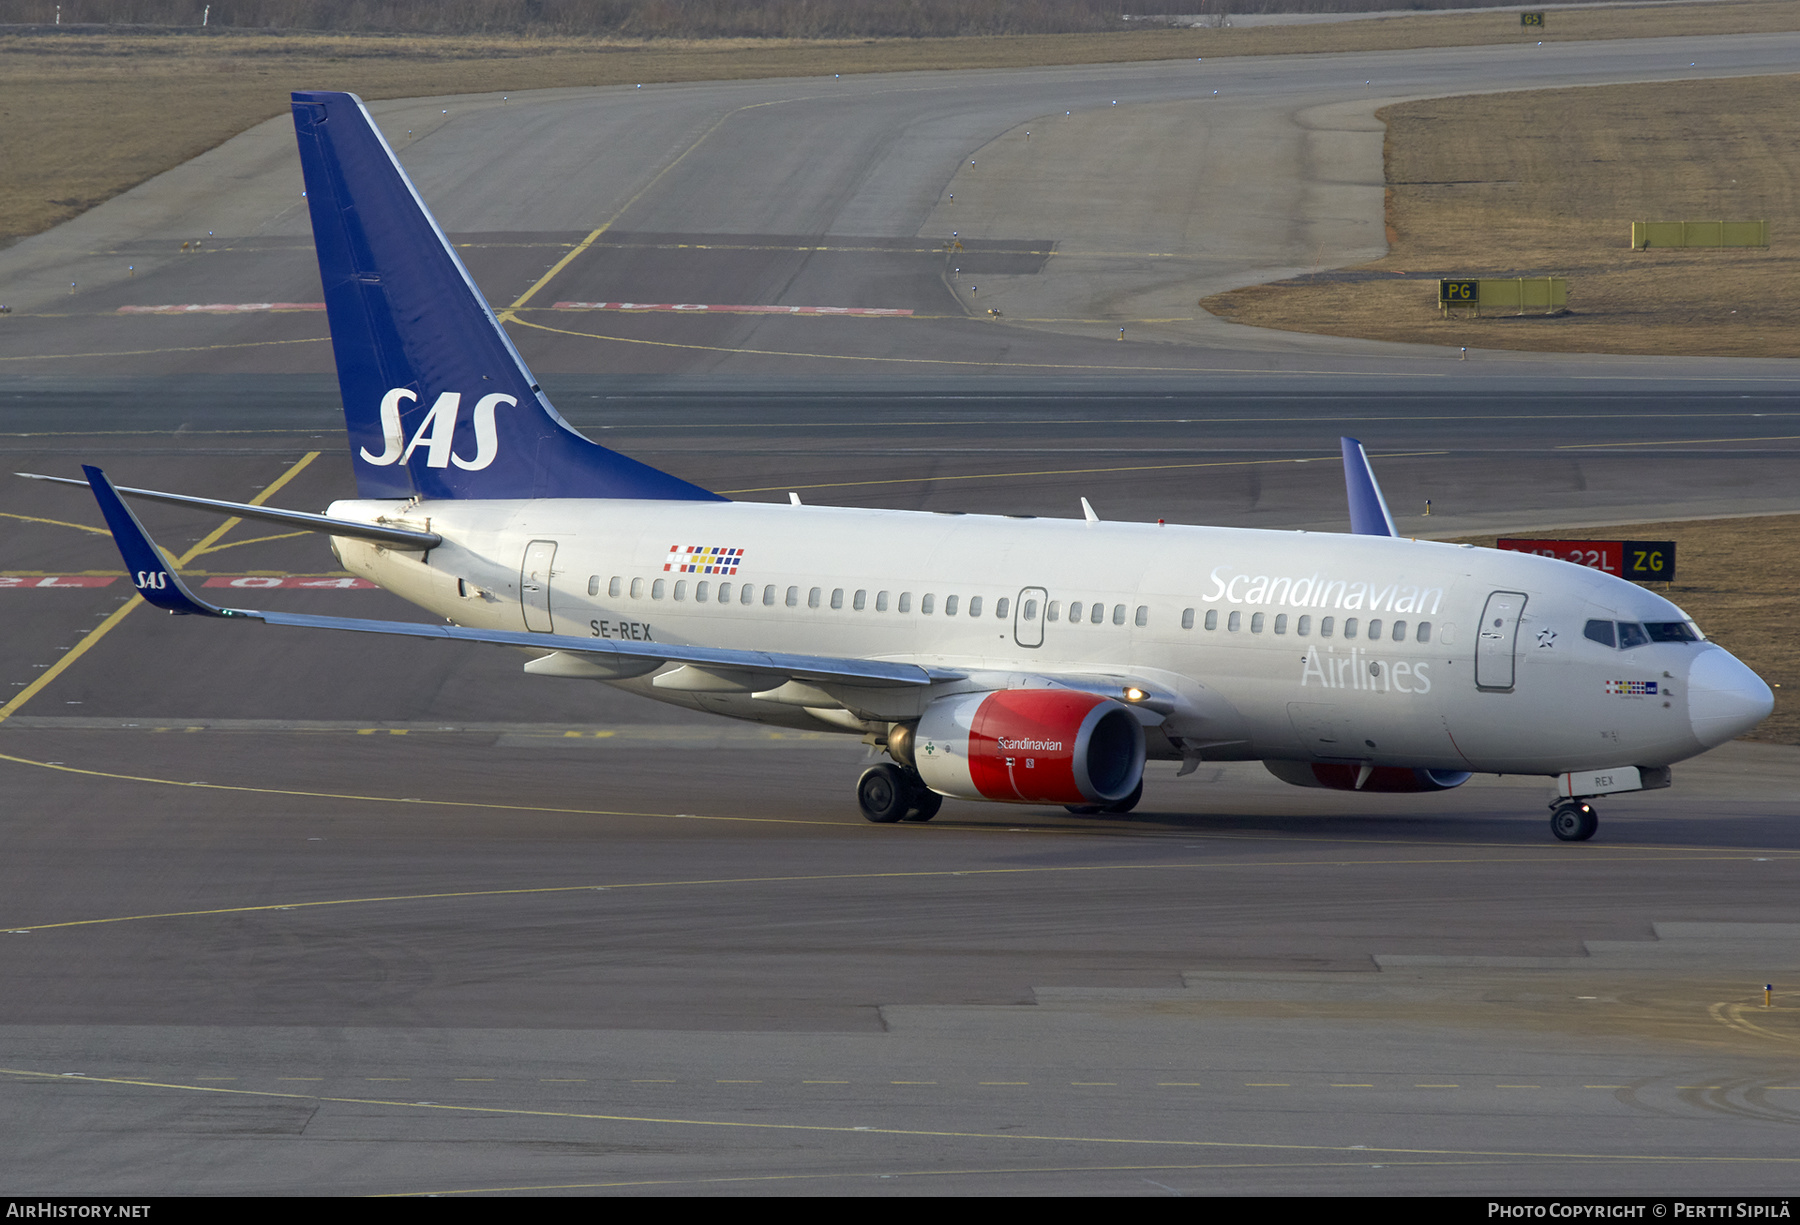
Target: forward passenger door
pixel 1496 643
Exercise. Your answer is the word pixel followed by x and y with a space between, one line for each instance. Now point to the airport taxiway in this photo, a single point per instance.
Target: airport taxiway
pixel 294 912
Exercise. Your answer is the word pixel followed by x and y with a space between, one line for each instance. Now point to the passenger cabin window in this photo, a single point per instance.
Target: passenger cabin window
pixel 1234 622
pixel 1074 612
pixel 1053 610
pixel 1256 623
pixel 950 606
pixel 1000 607
pixel 812 598
pixel 1281 623
pixel 681 589
pixel 1424 631
pixel 1118 614
pixel 905 601
pixel 593 584
pixel 793 597
pixel 768 595
pixel 1212 618
pixel 637 588
pixel 1143 616
pixel 927 602
pixel 702 589
pixel 1399 631
pixel 860 600
pixel 1029 611
pixel 659 589
pixel 881 598
pixel 1375 629
pixel 1187 618
pixel 1349 627
pixel 1325 624
pixel 612 588
pixel 1303 626
pixel 974 606
pixel 837 597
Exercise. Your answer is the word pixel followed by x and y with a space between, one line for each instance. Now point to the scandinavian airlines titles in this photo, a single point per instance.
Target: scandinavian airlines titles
pixel 1317 592
pixel 1354 669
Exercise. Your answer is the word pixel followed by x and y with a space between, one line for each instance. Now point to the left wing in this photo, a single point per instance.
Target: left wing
pixel 1368 509
pixel 161 586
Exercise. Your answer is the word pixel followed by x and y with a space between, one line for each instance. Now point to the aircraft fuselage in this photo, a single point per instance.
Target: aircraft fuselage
pixel 1299 646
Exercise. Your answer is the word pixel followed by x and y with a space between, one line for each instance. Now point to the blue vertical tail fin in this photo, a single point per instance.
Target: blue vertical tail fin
pixel 438 402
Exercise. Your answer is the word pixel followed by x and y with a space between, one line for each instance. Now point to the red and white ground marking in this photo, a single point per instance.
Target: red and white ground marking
pixel 702 308
pixel 311 582
pixel 220 308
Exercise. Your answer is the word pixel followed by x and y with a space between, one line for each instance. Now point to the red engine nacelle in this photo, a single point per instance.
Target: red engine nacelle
pixel 1343 776
pixel 1030 746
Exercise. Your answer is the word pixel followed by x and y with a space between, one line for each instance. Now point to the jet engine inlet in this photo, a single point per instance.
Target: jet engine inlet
pixel 1030 746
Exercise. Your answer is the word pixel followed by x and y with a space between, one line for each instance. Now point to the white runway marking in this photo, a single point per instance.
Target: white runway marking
pixel 703 308
pixel 220 308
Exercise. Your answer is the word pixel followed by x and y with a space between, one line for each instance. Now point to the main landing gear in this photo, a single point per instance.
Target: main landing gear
pixel 888 793
pixel 1573 820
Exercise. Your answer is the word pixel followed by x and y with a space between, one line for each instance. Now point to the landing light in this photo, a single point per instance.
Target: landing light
pixel 1134 694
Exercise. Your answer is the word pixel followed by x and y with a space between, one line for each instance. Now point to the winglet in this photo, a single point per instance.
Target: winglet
pixel 145 565
pixel 1368 509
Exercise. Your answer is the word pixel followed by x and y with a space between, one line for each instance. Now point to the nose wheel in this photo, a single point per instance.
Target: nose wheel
pixel 1573 820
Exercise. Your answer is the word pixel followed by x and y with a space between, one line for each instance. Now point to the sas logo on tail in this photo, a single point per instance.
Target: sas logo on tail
pixel 438 431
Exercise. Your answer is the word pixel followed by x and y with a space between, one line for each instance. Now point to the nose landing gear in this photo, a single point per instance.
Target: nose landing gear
pixel 1573 820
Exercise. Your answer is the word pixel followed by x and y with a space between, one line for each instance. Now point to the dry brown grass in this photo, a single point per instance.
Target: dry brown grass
pixel 1738 581
pixel 1548 183
pixel 86 115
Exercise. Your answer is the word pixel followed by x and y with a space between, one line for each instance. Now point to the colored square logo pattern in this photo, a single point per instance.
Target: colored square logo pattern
pixel 703 559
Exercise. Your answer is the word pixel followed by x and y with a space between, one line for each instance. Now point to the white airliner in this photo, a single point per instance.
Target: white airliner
pixel 1014 659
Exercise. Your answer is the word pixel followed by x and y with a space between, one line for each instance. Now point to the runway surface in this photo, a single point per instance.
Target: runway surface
pixel 299 912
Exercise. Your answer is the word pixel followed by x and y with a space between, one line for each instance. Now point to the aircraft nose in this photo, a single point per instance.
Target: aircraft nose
pixel 1725 698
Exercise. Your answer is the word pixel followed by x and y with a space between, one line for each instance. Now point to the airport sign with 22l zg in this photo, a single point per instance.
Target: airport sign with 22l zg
pixel 1638 560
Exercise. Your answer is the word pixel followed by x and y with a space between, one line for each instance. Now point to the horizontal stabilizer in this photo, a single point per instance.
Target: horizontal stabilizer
pixel 404 536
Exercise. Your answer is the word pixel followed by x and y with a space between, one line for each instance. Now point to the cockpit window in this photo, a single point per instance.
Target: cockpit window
pixel 1632 634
